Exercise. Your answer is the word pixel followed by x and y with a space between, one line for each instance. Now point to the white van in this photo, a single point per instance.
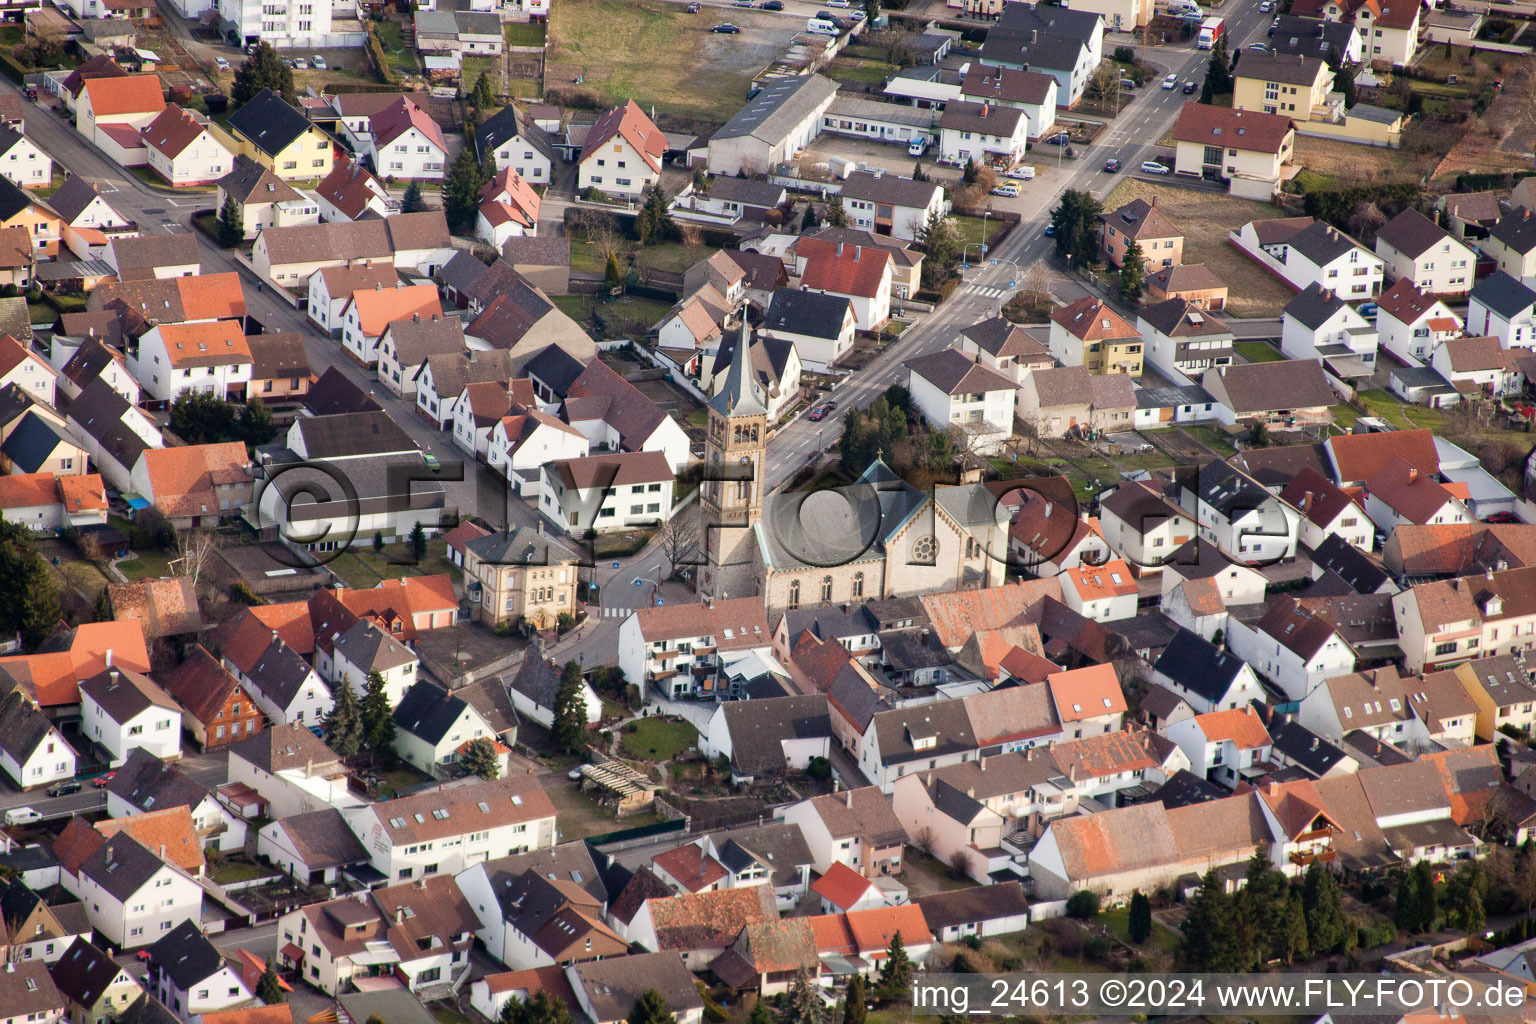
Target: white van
pixel 22 816
pixel 1023 172
pixel 918 146
pixel 821 26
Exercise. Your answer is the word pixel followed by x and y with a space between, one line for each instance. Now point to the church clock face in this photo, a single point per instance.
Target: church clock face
pixel 746 460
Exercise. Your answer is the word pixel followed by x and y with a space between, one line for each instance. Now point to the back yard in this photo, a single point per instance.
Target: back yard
pixel 1206 217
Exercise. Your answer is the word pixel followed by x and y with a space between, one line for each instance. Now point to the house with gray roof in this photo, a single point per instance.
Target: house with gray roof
pixel 314 847
pixel 775 124
pixel 1183 340
pixel 1303 253
pixel 32 751
pixel 1288 391
pixel 887 204
pixel 433 726
pixel 1066 44
pixel 768 739
pixel 953 389
pixel 820 326
pixel 533 686
pixel 514 141
pixel 1319 324
pixel 133 897
pixel 1503 306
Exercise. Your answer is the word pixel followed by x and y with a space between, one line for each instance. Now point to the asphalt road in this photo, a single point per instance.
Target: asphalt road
pixel 1132 138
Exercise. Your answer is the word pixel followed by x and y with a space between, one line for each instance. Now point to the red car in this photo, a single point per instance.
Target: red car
pixel 103 781
pixel 1502 517
pixel 821 411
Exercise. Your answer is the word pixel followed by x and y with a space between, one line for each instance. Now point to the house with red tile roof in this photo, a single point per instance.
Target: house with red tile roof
pixel 45 503
pixel 843 889
pixel 509 207
pixel 490 993
pixel 404 142
pixel 1355 458
pixel 1105 593
pixel 369 313
pixel 1399 493
pixel 1224 746
pixel 1089 333
pixel 701 925
pixel 866 934
pixel 1088 700
pixel 859 273
pixel 197 484
pixel 172 359
pixel 182 151
pixel 351 190
pixel 216 709
pixel 128 102
pixel 688 868
pixel 1327 509
pixel 623 153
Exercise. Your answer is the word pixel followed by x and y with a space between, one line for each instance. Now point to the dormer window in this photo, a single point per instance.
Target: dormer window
pixel 924 742
pixel 1494 605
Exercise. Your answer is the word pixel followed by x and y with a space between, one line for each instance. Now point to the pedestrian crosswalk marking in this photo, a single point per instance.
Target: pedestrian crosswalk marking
pixel 991 293
pixel 615 613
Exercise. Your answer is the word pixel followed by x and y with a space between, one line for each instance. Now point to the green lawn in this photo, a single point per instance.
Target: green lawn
pixel 525 34
pixel 472 68
pixel 146 565
pixel 1212 438
pixel 627 316
pixel 361 569
pixel 225 872
pixel 860 70
pixel 1119 923
pixel 1259 352
pixel 398 779
pixel 655 739
pixel 669 256
pixel 971 229
pixel 401 57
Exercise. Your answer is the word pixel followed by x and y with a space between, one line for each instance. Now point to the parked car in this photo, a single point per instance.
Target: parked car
pixel 856 16
pixel 741 3
pixel 773 5
pixel 22 816
pixel 1502 517
pixel 693 8
pixel 319 63
pixel 1189 88
pixel 64 789
pixel 300 64
pixel 918 146
pixel 1059 139
pixel 1259 47
pixel 1369 310
pixel 1050 231
pixel 1023 172
pixel 1171 81
pixel 1008 189
pixel 726 29
pixel 821 412
pixel 1153 167
pixel 1127 83
pixel 1266 7
pixel 1112 166
pixel 432 462
pixel 103 781
pixel 222 63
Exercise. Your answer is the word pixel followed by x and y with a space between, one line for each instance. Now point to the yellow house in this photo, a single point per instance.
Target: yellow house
pixel 1091 335
pixel 1388 28
pixel 19 210
pixel 1512 243
pixel 520 576
pixel 1502 692
pixel 1284 83
pixel 279 138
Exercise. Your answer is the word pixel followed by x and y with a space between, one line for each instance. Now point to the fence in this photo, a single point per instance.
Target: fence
pixel 625 837
pixel 1047 910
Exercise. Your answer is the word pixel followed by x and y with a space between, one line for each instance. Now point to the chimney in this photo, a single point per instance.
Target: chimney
pixel 971 792
pixel 1413 475
pixel 416 318
pixel 848 799
pixel 109 657
pixel 1072 771
pixel 1273 788
pixel 399 915
pixel 1029 755
pixel 162 851
pixel 309 767
pixel 982 762
pixel 378 286
pixel 113 674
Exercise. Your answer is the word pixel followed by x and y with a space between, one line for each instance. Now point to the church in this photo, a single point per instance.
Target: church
pixel 878 537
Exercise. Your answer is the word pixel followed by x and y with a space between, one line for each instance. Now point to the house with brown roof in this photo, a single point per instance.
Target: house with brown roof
pixel 622 154
pixel 606 990
pixel 1249 150
pixel 154 257
pixel 660 646
pixel 1140 222
pixel 1422 252
pixel 856 828
pixel 1444 621
pixel 1184 340
pixel 1287 392
pixel 1478 366
pixel 1070 399
pixel 288 256
pixel 1327 510
pixel 1089 334
pixel 768 956
pixel 1410 323
pixel 164 607
pixel 955 390
pixel 1195 283
pixel 216 709
pixel 1003 346
pixel 122 710
pixel 18 209
pixel 1399 493
pixel 1292 646
pixel 265 200
pixel 701 925
pixel 402 141
pixel 1390 29
pixel 182 150
pixel 194 484
pixel 609 410
pixel 349 191
pixel 419 931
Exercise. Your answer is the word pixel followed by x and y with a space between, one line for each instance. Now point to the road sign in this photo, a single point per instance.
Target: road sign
pixel 615 565
pixel 993 261
pixel 660 601
pixel 637 581
pixel 1012 283
pixel 984 250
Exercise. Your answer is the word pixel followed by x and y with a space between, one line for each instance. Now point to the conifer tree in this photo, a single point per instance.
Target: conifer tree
pixel 343 726
pixel 896 972
pixel 231 223
pixel 269 989
pixel 650 1008
pixel 569 730
pixel 480 759
pixel 1140 923
pixel 378 716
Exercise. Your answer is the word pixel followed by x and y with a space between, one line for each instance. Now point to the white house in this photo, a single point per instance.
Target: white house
pixel 622 155
pixel 368 315
pixel 525 440
pixel 189 975
pixel 1411 324
pixel 1237 514
pixel 1376 702
pixel 1504 307
pixel 183 151
pixel 1207 677
pixel 26 370
pixel 124 711
pixel 889 205
pixel 1143 526
pixel 1031 92
pixel 1183 340
pixel 1318 323
pixel 212 357
pixel 983 133
pixel 1326 509
pixel 533 691
pixel 856 827
pixel 860 274
pixel 283 684
pixel 408 341
pixel 1066 44
pixel 953 390
pixel 821 327
pixel 22 161
pixel 657 645
pixel 432 727
pixel 1304 252
pixel 404 142
pixel 331 288
pixel 1224 746
pixel 1104 593
pixel 132 896
pixel 1399 494
pixel 1417 249
pixel 444 830
pixel 32 751
pixel 293 771
pixel 1292 647
pixel 607 492
pixel 515 141
pixel 1479 364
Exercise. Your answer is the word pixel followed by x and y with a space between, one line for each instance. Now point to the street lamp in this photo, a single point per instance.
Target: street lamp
pixel 984 215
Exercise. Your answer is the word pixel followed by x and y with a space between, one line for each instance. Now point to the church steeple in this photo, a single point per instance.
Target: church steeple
pixel 738 398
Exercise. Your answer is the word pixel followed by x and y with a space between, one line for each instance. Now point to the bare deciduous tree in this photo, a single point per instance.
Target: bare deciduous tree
pixel 691 235
pixel 193 549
